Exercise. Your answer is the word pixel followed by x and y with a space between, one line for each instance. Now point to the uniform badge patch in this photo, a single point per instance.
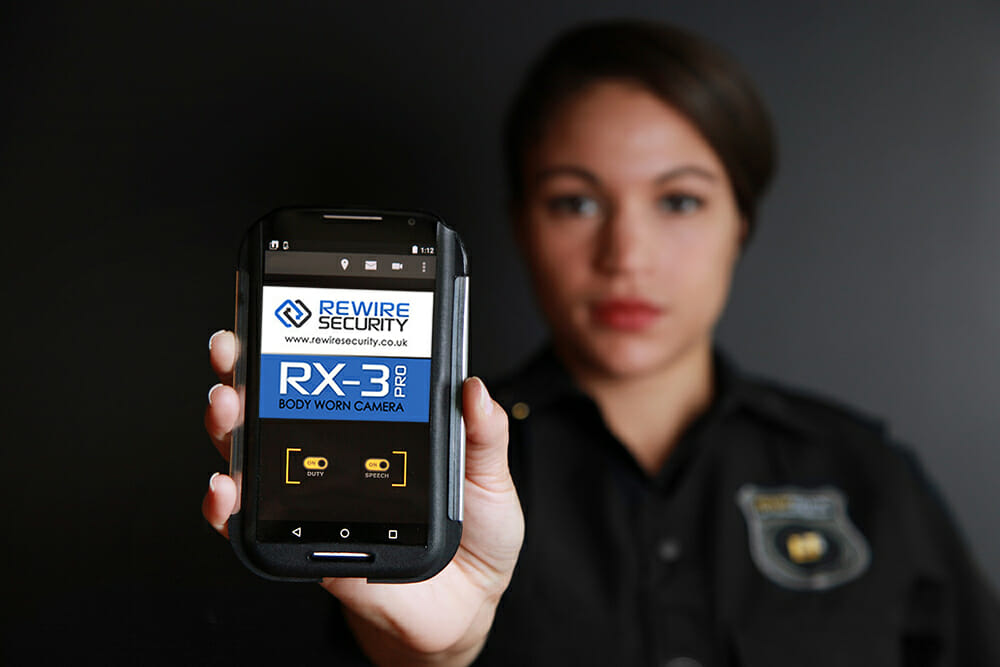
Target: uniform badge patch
pixel 802 538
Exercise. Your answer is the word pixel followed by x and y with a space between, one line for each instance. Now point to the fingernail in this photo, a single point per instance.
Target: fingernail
pixel 211 481
pixel 485 402
pixel 212 337
pixel 210 391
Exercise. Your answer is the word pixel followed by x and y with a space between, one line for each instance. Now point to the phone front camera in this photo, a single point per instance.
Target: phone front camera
pixel 411 222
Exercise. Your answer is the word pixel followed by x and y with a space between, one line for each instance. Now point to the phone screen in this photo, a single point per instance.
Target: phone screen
pixel 344 382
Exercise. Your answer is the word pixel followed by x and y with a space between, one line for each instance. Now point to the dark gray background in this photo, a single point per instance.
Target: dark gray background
pixel 137 141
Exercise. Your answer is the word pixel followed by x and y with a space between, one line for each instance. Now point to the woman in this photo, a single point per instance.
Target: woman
pixel 674 512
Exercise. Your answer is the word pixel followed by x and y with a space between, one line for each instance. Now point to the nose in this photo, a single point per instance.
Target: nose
pixel 623 245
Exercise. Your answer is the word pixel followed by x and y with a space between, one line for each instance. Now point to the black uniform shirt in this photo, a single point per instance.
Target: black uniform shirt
pixel 783 530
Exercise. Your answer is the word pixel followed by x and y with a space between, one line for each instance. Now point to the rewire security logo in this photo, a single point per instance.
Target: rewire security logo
pixel 292 313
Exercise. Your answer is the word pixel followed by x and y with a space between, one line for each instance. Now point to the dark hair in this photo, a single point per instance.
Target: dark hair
pixel 692 75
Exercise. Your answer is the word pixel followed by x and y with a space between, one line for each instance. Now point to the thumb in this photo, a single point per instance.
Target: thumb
pixel 486 438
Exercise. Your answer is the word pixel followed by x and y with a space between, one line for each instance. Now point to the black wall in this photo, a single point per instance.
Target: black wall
pixel 138 140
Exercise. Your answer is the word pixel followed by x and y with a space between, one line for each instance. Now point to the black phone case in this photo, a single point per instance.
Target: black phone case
pixel 389 562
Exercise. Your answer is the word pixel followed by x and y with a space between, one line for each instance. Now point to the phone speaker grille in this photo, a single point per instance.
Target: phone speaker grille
pixel 333 216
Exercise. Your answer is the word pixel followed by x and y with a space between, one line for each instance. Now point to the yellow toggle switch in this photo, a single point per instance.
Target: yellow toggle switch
pixel 314 463
pixel 377 465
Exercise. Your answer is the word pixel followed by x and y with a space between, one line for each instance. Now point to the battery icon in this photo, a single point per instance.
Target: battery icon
pixel 414 250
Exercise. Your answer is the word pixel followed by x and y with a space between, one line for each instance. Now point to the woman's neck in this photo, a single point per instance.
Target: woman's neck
pixel 648 413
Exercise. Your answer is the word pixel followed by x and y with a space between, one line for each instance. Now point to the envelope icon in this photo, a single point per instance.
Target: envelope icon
pixel 371 265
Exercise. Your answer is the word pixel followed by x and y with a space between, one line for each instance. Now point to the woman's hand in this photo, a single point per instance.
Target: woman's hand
pixel 443 620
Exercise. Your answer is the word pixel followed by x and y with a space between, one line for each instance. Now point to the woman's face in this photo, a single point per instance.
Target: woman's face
pixel 630 229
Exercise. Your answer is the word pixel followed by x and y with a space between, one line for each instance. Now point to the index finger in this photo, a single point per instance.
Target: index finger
pixel 222 354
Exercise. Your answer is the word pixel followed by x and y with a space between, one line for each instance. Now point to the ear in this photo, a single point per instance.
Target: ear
pixel 744 231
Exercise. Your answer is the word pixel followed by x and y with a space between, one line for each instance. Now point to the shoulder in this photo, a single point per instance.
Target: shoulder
pixel 807 410
pixel 810 431
pixel 825 435
pixel 776 405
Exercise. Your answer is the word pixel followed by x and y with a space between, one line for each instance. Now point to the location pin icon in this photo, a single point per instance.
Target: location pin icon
pixel 344 263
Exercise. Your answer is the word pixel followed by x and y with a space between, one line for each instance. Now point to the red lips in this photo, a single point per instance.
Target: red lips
pixel 625 314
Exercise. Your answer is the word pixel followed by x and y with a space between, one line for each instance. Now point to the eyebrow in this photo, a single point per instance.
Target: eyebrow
pixel 566 170
pixel 687 170
pixel 580 172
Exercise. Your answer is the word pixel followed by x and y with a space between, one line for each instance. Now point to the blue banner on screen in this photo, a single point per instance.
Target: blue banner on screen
pixel 295 386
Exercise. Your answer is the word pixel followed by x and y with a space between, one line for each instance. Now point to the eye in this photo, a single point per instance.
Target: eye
pixel 573 205
pixel 680 203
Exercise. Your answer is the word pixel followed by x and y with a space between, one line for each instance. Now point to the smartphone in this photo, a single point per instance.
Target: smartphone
pixel 349 453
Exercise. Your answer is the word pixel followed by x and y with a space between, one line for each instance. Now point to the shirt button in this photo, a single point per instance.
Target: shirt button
pixel 681 662
pixel 669 551
pixel 520 411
